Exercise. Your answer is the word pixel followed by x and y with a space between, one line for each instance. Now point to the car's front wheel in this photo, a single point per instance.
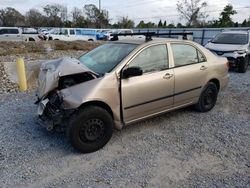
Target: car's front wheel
pixel 90 129
pixel 243 65
pixel 207 98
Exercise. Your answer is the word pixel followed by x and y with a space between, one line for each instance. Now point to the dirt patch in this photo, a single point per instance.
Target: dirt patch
pixel 34 53
pixel 13 48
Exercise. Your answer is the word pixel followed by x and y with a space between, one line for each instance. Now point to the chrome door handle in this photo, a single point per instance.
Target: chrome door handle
pixel 168 76
pixel 203 67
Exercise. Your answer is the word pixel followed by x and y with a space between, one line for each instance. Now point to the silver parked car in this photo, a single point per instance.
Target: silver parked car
pixel 235 46
pixel 123 82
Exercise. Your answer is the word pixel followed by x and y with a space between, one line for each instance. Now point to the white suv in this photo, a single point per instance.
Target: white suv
pixel 69 34
pixel 235 46
pixel 18 34
pixel 10 34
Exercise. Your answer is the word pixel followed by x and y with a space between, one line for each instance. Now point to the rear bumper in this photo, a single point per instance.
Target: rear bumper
pixel 224 82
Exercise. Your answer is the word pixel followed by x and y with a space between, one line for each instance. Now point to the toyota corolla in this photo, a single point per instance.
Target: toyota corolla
pixel 122 82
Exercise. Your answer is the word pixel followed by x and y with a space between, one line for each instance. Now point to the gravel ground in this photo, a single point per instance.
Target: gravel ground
pixel 180 149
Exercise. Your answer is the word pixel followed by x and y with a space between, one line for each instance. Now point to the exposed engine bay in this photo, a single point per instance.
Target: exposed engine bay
pixel 55 76
pixel 71 80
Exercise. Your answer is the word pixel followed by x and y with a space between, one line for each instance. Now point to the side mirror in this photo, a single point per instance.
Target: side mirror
pixel 132 71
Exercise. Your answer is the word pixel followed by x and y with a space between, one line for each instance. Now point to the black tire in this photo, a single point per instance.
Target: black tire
pixel 207 98
pixel 31 39
pixel 243 65
pixel 90 129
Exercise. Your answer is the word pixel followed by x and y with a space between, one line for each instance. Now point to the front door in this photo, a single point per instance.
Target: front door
pixel 151 92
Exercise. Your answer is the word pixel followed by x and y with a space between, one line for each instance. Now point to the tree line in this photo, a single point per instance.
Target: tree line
pixel 56 15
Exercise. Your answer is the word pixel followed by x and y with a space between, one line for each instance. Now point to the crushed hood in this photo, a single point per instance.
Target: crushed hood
pixel 51 71
pixel 225 47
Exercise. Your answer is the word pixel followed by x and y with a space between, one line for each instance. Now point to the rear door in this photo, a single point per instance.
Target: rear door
pixel 190 71
pixel 72 35
pixel 14 35
pixel 151 92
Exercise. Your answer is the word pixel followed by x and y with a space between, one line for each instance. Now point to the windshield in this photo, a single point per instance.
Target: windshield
pixel 230 38
pixel 106 57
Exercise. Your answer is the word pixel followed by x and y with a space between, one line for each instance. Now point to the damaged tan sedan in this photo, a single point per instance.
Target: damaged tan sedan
pixel 122 82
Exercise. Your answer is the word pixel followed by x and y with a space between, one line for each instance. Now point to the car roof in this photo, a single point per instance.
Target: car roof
pixel 8 27
pixel 142 41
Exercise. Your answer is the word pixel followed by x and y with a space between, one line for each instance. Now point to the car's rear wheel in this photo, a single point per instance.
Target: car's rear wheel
pixel 243 65
pixel 207 98
pixel 90 129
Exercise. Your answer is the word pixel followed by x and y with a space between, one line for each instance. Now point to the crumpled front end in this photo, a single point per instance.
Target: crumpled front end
pixel 55 76
pixel 50 111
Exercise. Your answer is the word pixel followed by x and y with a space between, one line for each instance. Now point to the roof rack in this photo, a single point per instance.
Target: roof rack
pixel 149 35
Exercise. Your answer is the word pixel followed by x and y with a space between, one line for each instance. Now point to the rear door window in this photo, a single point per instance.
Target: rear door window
pixel 72 32
pixel 185 54
pixel 13 31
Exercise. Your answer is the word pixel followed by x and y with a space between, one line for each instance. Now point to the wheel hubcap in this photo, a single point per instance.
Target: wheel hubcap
pixel 92 130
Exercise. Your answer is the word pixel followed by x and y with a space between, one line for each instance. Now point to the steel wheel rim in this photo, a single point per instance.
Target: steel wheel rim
pixel 92 130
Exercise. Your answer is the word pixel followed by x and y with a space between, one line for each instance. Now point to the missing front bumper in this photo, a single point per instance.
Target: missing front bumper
pixel 51 114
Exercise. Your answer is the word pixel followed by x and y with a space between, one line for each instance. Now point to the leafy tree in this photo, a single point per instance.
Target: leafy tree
pixel 225 16
pixel 141 24
pixel 78 19
pixel 125 22
pixel 55 15
pixel 34 18
pixel 10 17
pixel 191 11
pixel 236 24
pixel 160 24
pixel 95 17
pixel 179 25
pixel 51 10
pixel 171 25
pixel 246 23
pixel 165 24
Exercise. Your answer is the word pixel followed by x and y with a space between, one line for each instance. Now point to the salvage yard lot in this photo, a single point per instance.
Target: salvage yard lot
pixel 179 149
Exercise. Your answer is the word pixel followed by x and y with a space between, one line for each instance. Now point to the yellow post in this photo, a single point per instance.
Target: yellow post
pixel 21 74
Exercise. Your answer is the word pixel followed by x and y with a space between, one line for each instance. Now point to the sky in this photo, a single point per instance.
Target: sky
pixel 147 10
